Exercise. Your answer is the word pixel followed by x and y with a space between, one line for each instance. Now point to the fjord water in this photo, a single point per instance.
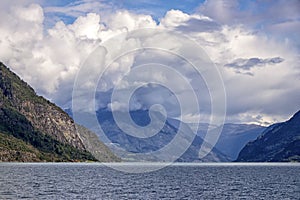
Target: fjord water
pixel 179 181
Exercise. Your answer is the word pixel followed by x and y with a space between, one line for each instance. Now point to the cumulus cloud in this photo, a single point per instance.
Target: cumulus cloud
pixel 245 51
pixel 49 58
pixel 174 18
pixel 87 26
pixel 130 21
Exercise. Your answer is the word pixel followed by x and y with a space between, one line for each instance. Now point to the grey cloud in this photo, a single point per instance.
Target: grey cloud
pixel 199 25
pixel 247 64
pixel 266 13
pixel 221 10
pixel 244 73
pixel 280 18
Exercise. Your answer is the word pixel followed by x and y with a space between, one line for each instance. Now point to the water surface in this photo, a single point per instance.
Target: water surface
pixel 179 181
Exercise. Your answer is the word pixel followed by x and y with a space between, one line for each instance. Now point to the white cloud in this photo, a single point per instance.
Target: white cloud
pixel 87 26
pixel 130 21
pixel 49 58
pixel 177 18
pixel 174 18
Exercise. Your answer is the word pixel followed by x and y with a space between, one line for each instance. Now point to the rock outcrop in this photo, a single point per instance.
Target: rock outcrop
pixel 41 124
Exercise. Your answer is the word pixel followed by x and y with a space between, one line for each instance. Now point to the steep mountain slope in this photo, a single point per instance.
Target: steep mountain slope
pixel 154 143
pixel 13 149
pixel 42 114
pixel 15 124
pixel 38 123
pixel 95 146
pixel 278 143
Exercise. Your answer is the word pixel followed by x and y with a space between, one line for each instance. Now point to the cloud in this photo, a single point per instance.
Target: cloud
pixel 78 8
pixel 38 55
pixel 188 23
pixel 221 10
pixel 199 25
pixel 130 21
pixel 250 12
pixel 278 18
pixel 247 64
pixel 87 26
pixel 49 58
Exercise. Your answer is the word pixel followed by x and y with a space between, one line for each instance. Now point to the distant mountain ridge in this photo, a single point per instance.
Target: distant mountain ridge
pixel 232 138
pixel 278 143
pixel 235 136
pixel 144 145
pixel 45 131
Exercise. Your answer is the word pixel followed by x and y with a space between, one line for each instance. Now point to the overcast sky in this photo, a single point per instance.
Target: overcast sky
pixel 254 44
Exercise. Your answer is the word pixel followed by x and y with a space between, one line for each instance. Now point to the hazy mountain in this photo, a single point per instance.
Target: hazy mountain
pixel 144 145
pixel 34 129
pixel 279 142
pixel 233 137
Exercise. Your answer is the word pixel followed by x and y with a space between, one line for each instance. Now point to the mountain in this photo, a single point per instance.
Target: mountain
pixel 34 129
pixel 134 145
pixel 13 149
pixel 97 148
pixel 278 143
pixel 233 137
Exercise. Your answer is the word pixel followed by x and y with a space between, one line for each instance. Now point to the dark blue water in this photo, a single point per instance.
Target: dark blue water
pixel 95 181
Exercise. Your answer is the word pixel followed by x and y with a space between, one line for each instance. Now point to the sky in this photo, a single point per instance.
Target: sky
pixel 254 45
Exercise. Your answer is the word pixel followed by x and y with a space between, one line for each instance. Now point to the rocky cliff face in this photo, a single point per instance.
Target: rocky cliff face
pixel 44 116
pixel 51 120
pixel 278 143
pixel 36 121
